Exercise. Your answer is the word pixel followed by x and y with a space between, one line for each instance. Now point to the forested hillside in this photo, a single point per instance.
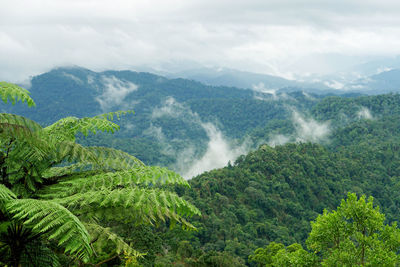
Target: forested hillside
pixel 301 154
pixel 172 116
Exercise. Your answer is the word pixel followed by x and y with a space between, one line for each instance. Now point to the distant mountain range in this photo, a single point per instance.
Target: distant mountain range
pixel 375 77
pixel 249 80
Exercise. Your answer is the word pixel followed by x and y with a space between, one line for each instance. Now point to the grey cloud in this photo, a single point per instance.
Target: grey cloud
pixel 253 35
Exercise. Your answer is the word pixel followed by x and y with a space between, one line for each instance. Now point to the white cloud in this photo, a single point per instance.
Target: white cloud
pixel 219 153
pixel 278 139
pixel 172 108
pixel 255 35
pixel 114 92
pixel 73 77
pixel 364 113
pixel 307 129
pixel 260 87
pixel 334 84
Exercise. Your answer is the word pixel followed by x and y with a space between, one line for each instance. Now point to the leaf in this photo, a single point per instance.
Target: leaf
pixel 102 234
pixel 54 221
pixel 9 91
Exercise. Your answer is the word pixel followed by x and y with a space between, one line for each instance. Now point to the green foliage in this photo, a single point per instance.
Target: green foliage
pixel 352 235
pixel 276 254
pixel 9 91
pixel 264 256
pixel 54 221
pixel 355 234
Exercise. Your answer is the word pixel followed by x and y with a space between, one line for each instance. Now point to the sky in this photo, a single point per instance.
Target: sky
pixel 279 37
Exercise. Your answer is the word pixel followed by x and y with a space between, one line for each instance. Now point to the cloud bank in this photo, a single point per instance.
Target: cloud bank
pixel 276 37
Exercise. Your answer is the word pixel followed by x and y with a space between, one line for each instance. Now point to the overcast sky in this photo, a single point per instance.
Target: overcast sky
pixel 267 36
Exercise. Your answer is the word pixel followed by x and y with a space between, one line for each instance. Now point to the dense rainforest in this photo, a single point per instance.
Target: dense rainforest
pixel 307 152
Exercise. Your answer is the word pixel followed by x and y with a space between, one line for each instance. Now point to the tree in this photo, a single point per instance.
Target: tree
pixel 276 254
pixel 56 195
pixel 355 234
pixel 352 235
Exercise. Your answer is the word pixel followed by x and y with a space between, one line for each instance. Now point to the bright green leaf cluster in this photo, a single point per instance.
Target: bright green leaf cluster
pixel 9 91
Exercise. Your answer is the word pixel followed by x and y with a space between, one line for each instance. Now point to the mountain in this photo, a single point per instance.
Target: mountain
pixel 242 79
pixel 176 122
pixel 384 82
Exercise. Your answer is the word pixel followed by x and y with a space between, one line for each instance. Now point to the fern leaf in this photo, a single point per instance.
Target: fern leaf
pixel 139 204
pixel 114 159
pixel 6 194
pixel 67 128
pixel 55 221
pixel 73 152
pixel 110 115
pixel 9 91
pixel 12 119
pixel 141 175
pixel 102 234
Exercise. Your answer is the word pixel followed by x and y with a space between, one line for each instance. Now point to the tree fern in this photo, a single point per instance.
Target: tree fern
pixel 51 185
pixel 67 128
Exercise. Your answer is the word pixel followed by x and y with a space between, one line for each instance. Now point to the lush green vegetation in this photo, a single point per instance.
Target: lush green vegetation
pixel 261 204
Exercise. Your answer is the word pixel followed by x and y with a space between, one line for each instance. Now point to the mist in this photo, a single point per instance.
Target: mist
pixel 364 113
pixel 306 130
pixel 309 130
pixel 219 149
pixel 219 152
pixel 114 93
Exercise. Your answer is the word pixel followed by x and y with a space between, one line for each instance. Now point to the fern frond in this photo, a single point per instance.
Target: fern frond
pixel 67 128
pixel 73 152
pixel 6 194
pixel 102 234
pixel 55 221
pixel 139 204
pixel 12 119
pixel 141 175
pixel 110 115
pixel 115 159
pixel 93 158
pixel 54 172
pixel 9 91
